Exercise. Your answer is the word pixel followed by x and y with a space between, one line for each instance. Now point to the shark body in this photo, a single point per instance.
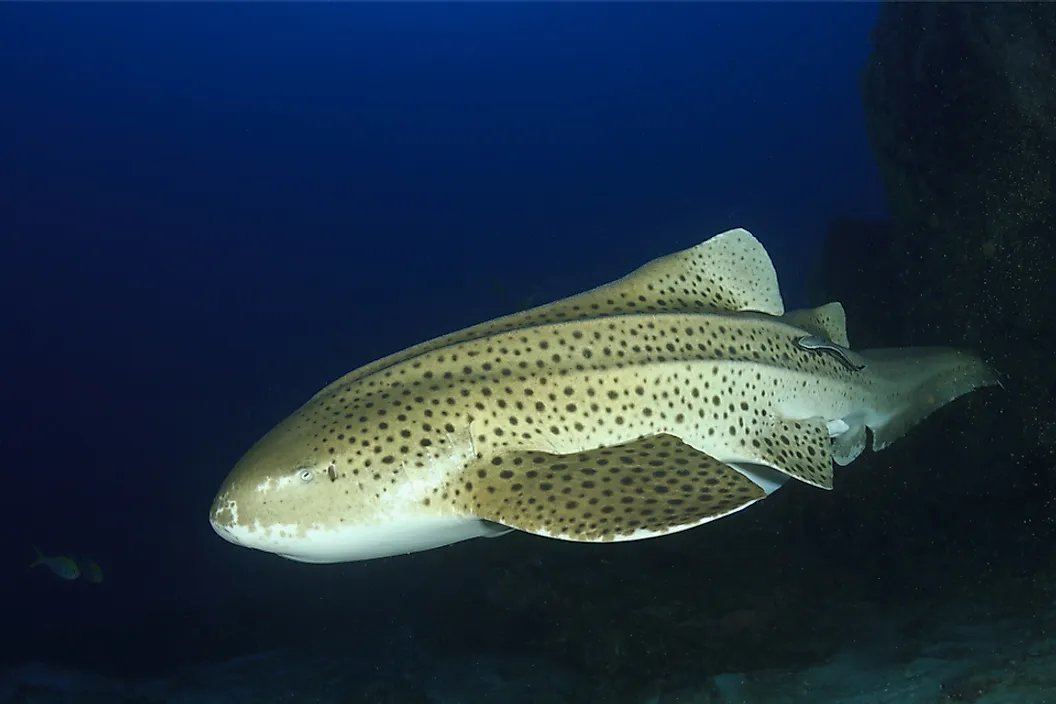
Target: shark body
pixel 669 398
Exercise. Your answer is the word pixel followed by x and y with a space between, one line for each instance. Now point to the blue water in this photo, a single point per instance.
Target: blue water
pixel 207 212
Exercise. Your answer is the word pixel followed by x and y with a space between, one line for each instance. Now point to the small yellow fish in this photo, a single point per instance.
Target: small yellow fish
pixel 91 571
pixel 61 567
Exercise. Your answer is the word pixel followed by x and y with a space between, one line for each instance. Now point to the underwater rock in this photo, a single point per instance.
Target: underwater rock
pixel 960 102
pixel 856 268
pixel 991 645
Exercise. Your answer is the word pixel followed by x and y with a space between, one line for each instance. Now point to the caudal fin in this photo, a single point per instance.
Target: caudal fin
pixel 915 382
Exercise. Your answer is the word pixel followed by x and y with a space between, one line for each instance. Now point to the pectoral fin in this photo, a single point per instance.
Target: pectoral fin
pixel 649 487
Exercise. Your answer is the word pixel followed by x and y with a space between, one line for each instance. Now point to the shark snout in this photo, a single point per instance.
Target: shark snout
pixel 221 530
pixel 222 517
pixel 245 528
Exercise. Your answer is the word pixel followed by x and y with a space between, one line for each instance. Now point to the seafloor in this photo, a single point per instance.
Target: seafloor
pixel 733 626
pixel 991 648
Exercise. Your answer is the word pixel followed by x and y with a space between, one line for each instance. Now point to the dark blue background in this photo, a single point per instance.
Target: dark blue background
pixel 207 212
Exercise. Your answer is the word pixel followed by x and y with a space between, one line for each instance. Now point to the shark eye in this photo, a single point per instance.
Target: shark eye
pixel 306 475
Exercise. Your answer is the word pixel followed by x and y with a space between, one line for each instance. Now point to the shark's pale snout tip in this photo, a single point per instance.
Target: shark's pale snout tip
pixel 222 515
pixel 216 526
pixel 223 531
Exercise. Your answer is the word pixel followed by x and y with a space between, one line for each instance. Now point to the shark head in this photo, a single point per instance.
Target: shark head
pixel 264 500
pixel 307 493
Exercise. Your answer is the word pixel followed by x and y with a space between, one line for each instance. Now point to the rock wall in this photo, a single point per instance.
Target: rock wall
pixel 960 101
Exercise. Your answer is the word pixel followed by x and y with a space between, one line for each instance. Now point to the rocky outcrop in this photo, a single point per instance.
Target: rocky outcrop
pixel 961 113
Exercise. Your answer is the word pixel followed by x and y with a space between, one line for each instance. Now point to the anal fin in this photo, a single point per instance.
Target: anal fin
pixel 851 442
pixel 648 487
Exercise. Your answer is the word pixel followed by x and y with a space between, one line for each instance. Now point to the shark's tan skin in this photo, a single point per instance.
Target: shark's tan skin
pixel 669 398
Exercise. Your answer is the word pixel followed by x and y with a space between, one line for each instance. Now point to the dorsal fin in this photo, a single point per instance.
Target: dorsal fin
pixel 828 321
pixel 731 272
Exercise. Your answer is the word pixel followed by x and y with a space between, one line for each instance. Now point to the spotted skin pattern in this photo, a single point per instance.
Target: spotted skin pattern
pixel 644 487
pixel 570 387
pixel 689 364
